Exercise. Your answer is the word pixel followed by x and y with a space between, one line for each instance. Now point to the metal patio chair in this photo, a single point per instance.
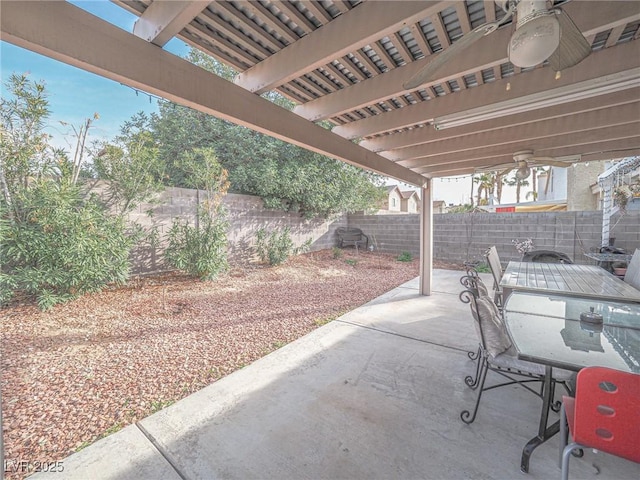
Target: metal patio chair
pixel 493 259
pixel 632 277
pixel 495 352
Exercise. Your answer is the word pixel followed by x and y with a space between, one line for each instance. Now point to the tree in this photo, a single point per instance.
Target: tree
pixel 76 166
pixel 201 249
pixel 486 187
pixel 130 165
pixel 499 185
pixel 515 182
pixel 534 183
pixel 24 151
pixel 285 176
pixel 56 243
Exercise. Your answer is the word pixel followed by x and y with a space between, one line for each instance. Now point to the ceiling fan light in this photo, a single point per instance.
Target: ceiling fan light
pixel 523 172
pixel 535 41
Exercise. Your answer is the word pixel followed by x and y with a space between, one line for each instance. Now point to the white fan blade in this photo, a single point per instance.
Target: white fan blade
pixel 573 46
pixel 506 172
pixel 494 168
pixel 427 73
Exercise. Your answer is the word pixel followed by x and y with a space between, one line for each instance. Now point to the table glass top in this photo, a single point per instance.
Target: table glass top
pixel 547 329
pixel 581 280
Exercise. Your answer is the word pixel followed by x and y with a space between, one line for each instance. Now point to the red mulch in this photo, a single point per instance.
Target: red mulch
pixel 94 365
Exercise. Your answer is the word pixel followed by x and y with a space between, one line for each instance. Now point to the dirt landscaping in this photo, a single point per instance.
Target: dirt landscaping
pixel 90 367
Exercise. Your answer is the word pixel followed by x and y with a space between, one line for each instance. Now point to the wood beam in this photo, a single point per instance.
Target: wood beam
pixel 162 20
pixel 426 238
pixel 483 54
pixel 227 11
pixel 575 143
pixel 66 33
pixel 295 15
pixel 389 84
pixel 350 31
pixel 421 40
pixel 598 64
pixel 420 136
pixel 217 24
pixel 320 13
pixel 513 135
pixel 489 11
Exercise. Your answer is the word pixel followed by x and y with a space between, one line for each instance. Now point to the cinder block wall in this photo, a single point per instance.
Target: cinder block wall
pixel 246 215
pixel 457 237
pixel 390 233
pixel 465 237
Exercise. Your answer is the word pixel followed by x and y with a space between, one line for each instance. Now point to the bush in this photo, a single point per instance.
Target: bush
pixel 483 268
pixel 275 247
pixel 405 257
pixel 337 252
pixel 59 247
pixel 199 250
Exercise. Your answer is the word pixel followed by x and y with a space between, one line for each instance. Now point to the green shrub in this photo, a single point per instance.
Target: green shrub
pixel 275 247
pixel 405 257
pixel 482 268
pixel 337 252
pixel 199 250
pixel 351 261
pixel 60 246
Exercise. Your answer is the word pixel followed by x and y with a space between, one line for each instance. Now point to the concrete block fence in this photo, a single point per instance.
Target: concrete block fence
pixel 466 236
pixel 457 237
pixel 246 215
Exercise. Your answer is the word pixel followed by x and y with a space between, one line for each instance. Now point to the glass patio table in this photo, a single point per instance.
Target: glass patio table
pixel 567 279
pixel 547 329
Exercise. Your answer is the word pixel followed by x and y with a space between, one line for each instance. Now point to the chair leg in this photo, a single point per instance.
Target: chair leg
pixel 465 414
pixel 566 453
pixel 564 432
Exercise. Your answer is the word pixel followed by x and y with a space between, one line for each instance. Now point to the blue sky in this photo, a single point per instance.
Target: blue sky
pixel 75 94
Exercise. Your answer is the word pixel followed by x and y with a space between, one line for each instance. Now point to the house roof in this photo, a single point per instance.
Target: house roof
pixel 408 193
pixel 345 61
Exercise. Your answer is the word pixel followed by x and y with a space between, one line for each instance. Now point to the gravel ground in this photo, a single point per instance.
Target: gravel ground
pixel 90 367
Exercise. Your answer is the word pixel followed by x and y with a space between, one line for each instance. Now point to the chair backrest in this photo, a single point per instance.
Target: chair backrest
pixel 487 318
pixel 494 264
pixel 607 411
pixel 632 277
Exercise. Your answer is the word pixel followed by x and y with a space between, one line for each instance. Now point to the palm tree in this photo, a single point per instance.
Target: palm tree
pixel 486 186
pixel 514 182
pixel 500 181
pixel 534 182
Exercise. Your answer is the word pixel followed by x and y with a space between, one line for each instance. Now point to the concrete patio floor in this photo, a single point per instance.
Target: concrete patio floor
pixel 374 394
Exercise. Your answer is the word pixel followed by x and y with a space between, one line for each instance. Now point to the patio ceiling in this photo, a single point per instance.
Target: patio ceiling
pixel 346 61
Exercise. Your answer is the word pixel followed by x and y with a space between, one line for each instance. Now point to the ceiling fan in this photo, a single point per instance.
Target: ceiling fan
pixel 525 159
pixel 541 33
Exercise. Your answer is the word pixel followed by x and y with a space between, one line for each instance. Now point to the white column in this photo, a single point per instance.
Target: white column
pixel 607 205
pixel 426 239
